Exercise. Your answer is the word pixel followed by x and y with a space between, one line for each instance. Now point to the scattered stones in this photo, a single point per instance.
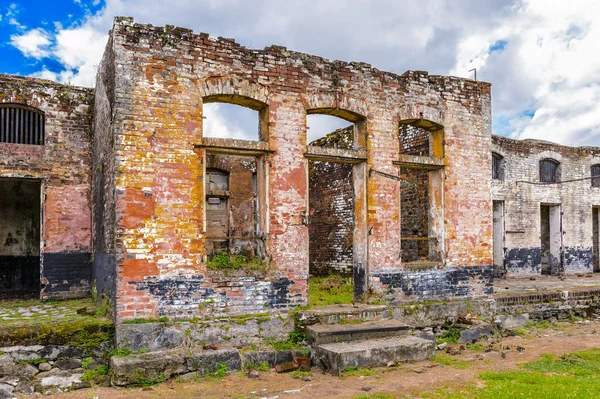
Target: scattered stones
pixel 476 332
pixel 286 367
pixel 512 321
pixel 253 374
pixel 6 391
pixel 441 346
pixel 44 366
pixel 25 388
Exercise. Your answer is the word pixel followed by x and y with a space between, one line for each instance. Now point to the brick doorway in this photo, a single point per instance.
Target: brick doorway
pixel 20 228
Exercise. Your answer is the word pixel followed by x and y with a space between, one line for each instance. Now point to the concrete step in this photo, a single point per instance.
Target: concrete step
pixel 372 353
pixel 319 334
pixel 333 314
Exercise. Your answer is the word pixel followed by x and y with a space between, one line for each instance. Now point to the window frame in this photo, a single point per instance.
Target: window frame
pixel 555 178
pixel 25 125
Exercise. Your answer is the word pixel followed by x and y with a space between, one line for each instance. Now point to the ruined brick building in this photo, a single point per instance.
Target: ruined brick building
pixel 115 188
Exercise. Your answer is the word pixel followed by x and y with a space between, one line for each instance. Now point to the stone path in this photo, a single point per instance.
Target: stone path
pixel 32 311
pixel 514 285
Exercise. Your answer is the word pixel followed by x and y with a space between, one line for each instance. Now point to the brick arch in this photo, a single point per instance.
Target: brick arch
pixel 422 116
pixel 234 91
pixel 335 104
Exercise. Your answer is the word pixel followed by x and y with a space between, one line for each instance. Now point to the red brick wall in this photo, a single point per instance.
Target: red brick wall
pixel 163 77
pixel 63 166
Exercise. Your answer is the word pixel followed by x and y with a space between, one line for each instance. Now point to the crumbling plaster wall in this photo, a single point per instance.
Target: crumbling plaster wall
pixel 63 166
pixel 522 203
pixel 162 76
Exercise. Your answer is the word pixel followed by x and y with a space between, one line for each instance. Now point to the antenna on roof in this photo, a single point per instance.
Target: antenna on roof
pixel 474 70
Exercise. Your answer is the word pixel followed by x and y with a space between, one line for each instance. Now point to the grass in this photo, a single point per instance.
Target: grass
pixel 301 375
pixel 450 361
pixel 451 336
pixel 573 375
pixel 226 262
pixel 375 396
pixel 355 372
pixel 330 290
pixel 264 366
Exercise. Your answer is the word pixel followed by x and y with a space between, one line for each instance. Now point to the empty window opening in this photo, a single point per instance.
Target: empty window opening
pixel 20 124
pixel 549 171
pixel 551 239
pixel 230 121
pixel 498 238
pixel 330 131
pixel 19 238
pixel 414 140
pixel 331 218
pixel 595 173
pixel 421 208
pixel 497 166
pixel 596 238
pixel 232 206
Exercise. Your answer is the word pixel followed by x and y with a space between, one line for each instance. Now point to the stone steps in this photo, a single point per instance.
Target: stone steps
pixel 334 314
pixel 319 334
pixel 335 357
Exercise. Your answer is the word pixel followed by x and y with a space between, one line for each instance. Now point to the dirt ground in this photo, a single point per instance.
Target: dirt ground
pixel 407 380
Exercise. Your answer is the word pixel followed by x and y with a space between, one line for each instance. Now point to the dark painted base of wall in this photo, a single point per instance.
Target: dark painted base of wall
pixel 451 282
pixel 104 276
pixel 528 261
pixel 218 295
pixel 66 275
pixel 19 273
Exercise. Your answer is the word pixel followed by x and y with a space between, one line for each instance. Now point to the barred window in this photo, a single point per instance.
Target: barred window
pixel 549 171
pixel 596 172
pixel 21 124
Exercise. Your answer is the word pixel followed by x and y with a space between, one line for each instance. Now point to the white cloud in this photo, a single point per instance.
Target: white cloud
pixel 546 77
pixel 550 66
pixel 33 43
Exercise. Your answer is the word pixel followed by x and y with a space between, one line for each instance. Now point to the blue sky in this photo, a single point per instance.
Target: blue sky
pixel 539 55
pixel 21 16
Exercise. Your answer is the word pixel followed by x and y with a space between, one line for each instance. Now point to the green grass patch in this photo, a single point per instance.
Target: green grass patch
pixel 219 373
pixel 450 361
pixel 451 336
pixel 573 375
pixel 476 347
pixel 224 262
pixel 538 324
pixel 355 371
pixel 330 290
pixel 264 366
pixel 301 375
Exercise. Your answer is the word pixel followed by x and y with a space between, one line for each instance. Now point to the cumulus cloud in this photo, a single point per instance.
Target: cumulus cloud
pixel 547 76
pixel 33 43
pixel 539 54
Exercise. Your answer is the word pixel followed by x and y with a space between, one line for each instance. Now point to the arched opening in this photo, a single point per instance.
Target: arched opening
pixel 335 221
pixel 549 171
pixel 421 151
pixel 234 180
pixel 230 121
